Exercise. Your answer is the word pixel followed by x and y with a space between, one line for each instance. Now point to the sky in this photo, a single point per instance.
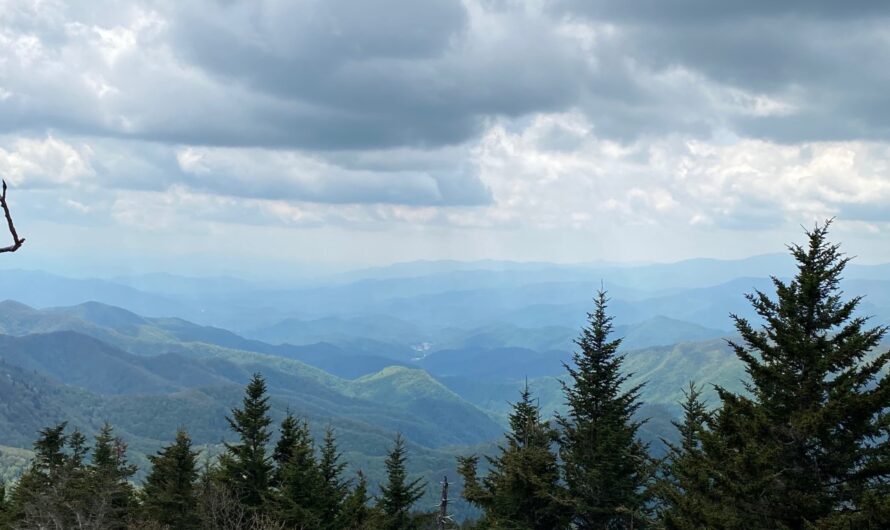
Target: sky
pixel 253 134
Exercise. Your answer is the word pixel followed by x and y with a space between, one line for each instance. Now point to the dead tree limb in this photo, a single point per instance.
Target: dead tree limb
pixel 443 520
pixel 16 241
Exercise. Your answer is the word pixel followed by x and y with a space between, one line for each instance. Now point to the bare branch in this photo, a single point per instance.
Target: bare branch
pixel 16 241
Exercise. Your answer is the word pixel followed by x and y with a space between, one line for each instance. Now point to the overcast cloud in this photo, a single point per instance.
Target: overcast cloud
pixel 375 131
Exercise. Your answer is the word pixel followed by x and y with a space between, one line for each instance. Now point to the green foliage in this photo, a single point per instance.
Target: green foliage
pixel 522 490
pixel 398 495
pixel 61 490
pixel 169 496
pixel 355 514
pixel 684 488
pixel 607 469
pixel 109 475
pixel 807 446
pixel 296 501
pixel 333 489
pixel 245 468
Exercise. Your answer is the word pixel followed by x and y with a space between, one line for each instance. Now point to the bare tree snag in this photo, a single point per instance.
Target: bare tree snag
pixel 443 520
pixel 16 241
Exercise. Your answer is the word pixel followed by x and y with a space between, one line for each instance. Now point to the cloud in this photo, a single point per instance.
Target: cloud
pixel 314 75
pixel 290 175
pixel 821 61
pixel 748 184
pixel 36 163
pixel 519 119
pixel 337 76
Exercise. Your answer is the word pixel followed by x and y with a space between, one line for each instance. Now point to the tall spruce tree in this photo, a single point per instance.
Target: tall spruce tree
pixel 607 470
pixel 245 468
pixel 355 514
pixel 60 490
pixel 398 495
pixel 522 490
pixel 807 445
pixel 289 435
pixel 296 499
pixel 111 496
pixel 333 489
pixel 43 487
pixel 169 496
pixel 684 487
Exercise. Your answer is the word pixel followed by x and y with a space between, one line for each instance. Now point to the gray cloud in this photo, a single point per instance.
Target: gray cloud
pixel 341 75
pixel 705 11
pixel 311 75
pixel 825 59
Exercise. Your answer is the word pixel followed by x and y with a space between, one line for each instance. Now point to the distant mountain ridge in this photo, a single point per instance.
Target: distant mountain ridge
pixel 435 295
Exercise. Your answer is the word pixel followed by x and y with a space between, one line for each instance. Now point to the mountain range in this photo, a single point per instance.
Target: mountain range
pixel 435 350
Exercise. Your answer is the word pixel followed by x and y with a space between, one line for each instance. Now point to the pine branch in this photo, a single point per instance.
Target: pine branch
pixel 17 242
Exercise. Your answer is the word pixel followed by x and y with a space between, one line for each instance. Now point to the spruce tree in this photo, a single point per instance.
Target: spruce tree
pixel 806 445
pixel 111 496
pixel 289 432
pixel 684 488
pixel 169 497
pixel 398 495
pixel 60 490
pixel 607 470
pixel 333 489
pixel 296 501
pixel 43 486
pixel 522 489
pixel 355 514
pixel 245 468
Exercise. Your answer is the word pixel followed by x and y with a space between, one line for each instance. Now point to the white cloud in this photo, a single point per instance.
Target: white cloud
pixel 505 122
pixel 744 184
pixel 45 162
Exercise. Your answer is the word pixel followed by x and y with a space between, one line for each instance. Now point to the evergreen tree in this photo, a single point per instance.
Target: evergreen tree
pixel 522 489
pixel 355 514
pixel 245 468
pixel 110 492
pixel 169 496
pixel 78 450
pixel 49 455
pixel 297 499
pixel 288 437
pixel 60 491
pixel 51 491
pixel 398 495
pixel 807 445
pixel 684 489
pixel 333 488
pixel 607 470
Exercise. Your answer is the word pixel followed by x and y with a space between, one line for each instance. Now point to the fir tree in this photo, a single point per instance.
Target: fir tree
pixel 297 499
pixel 807 445
pixel 355 514
pixel 77 445
pixel 54 490
pixel 607 470
pixel 288 436
pixel 245 468
pixel 169 496
pixel 110 492
pixel 59 490
pixel 398 495
pixel 333 488
pixel 684 489
pixel 522 489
